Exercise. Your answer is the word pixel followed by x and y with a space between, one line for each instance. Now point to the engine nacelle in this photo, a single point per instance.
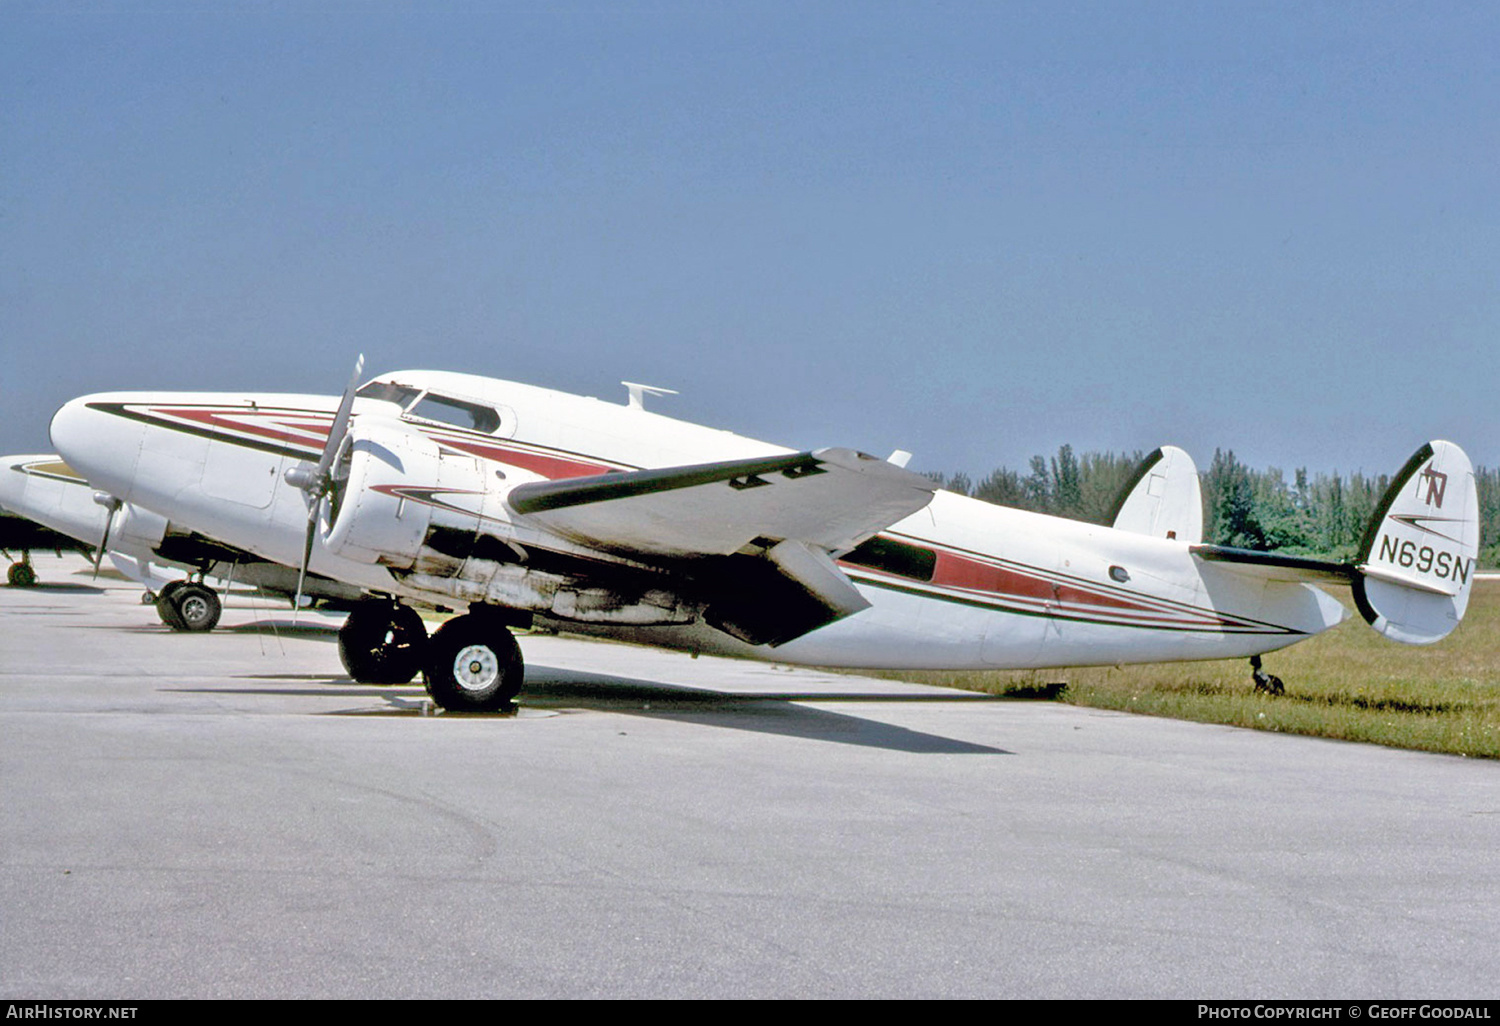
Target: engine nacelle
pixel 135 530
pixel 401 486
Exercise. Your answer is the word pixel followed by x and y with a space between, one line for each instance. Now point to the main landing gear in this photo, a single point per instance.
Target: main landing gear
pixel 188 606
pixel 1266 682
pixel 474 664
pixel 471 664
pixel 382 643
pixel 21 574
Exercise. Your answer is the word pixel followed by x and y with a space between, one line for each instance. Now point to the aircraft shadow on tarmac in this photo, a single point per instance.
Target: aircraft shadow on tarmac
pixel 769 713
pixel 265 628
pixel 312 631
pixel 782 713
pixel 54 588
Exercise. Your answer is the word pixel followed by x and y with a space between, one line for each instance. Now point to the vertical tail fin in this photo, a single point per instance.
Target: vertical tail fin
pixel 1163 499
pixel 1417 563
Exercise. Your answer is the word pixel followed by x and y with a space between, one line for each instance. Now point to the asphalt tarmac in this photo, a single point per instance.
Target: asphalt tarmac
pixel 228 815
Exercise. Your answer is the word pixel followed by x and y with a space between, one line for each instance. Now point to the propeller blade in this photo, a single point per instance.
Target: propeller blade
pixel 314 481
pixel 109 521
pixel 340 423
pixel 307 547
pixel 318 481
pixel 110 504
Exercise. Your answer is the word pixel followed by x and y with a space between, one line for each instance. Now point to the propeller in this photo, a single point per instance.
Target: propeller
pixel 110 504
pixel 317 481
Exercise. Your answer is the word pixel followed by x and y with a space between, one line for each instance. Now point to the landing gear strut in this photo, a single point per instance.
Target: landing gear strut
pixel 186 606
pixel 1267 682
pixel 474 664
pixel 383 643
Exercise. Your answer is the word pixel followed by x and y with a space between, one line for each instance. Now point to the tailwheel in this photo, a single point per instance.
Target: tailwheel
pixel 1266 682
pixel 474 665
pixel 21 575
pixel 383 643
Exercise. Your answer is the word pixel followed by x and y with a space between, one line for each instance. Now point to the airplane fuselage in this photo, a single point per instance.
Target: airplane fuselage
pixel 960 584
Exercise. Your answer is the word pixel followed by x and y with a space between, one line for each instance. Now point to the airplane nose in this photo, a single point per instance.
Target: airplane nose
pixel 102 447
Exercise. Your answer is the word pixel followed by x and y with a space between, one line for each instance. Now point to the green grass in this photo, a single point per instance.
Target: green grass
pixel 1349 683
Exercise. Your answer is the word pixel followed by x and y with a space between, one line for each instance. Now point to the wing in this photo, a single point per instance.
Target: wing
pixel 831 499
pixel 757 537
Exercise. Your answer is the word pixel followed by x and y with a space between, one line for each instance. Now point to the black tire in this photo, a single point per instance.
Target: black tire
pixel 164 607
pixel 21 575
pixel 197 607
pixel 382 643
pixel 474 665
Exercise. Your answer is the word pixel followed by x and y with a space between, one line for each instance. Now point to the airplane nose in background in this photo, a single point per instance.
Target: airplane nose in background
pixel 69 428
pixel 102 448
pixel 12 487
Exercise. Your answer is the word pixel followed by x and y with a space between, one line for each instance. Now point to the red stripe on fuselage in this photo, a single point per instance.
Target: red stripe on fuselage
pixel 1037 591
pixel 546 464
pixel 309 429
pixel 311 435
pixel 955 571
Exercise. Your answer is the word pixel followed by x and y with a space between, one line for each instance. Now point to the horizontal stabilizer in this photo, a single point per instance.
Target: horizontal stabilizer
pixel 1274 566
pixel 1163 499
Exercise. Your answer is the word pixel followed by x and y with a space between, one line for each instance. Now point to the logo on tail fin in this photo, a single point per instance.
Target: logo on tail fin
pixel 1437 486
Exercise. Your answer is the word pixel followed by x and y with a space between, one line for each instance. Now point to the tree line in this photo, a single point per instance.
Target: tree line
pixel 1320 514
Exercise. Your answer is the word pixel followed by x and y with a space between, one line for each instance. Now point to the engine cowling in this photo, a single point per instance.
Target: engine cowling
pixel 134 529
pixel 400 486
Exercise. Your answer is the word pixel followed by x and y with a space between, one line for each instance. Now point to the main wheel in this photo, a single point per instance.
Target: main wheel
pixel 382 643
pixel 166 609
pixel 473 665
pixel 21 575
pixel 197 608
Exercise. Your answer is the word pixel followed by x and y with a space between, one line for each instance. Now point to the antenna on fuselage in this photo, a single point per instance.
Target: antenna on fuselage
pixel 638 392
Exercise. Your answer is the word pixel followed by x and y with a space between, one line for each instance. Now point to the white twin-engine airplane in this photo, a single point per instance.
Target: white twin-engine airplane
pixel 529 504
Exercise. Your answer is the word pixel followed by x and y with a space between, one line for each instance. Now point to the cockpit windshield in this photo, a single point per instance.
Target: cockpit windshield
pixel 390 392
pixel 443 409
pixel 456 412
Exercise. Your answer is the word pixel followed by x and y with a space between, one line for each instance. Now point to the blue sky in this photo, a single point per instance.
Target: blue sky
pixel 974 231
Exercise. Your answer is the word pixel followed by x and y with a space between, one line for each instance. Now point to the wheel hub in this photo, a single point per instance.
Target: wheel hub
pixel 476 668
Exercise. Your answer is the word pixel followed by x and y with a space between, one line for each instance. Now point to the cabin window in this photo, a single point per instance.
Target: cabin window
pixel 456 412
pixel 894 558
